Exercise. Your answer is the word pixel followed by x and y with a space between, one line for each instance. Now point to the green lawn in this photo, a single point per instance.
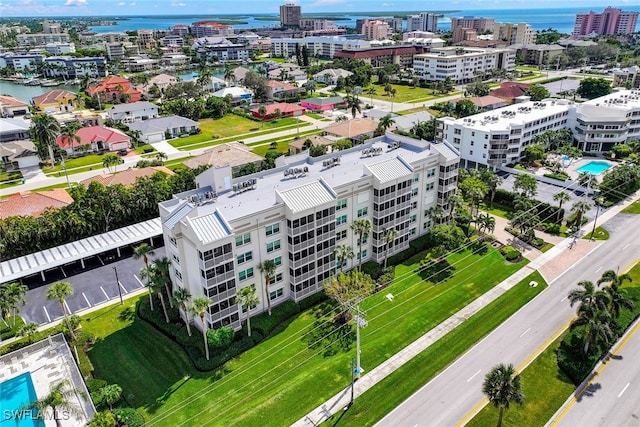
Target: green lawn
pixel 9 179
pixel 393 390
pixel 316 116
pixel 231 126
pixel 261 148
pixel 77 165
pixel 545 389
pixel 403 94
pixel 600 234
pixel 411 111
pixel 300 366
pixel 633 208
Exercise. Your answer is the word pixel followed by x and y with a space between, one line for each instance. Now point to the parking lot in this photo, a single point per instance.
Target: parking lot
pixel 92 286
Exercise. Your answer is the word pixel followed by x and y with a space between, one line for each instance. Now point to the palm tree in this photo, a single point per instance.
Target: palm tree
pixel 111 394
pixel 354 104
pixel 59 399
pixel 371 91
pixel 248 298
pixel 154 284
pixel 596 327
pixel 28 330
pixel 617 301
pixel 502 387
pixel 437 214
pixel 580 208
pixel 561 197
pixel 68 134
pixel 199 308
pixel 389 236
pixel 144 251
pixel 614 279
pixel 228 72
pixel 181 296
pixel 268 270
pixel 14 295
pixel 111 160
pixel 493 181
pixel 485 222
pixel 161 156
pixel 385 123
pixel 588 297
pixel 362 227
pixel 163 265
pixel 342 253
pixel 45 130
pixel 587 180
pixel 59 292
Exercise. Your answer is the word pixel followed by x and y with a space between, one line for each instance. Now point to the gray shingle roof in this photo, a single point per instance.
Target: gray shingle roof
pixel 161 124
pixel 132 106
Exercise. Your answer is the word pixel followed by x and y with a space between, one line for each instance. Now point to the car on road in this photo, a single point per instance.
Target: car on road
pixel 123 152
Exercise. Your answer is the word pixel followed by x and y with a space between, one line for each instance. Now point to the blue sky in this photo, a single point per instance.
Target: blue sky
pixel 183 7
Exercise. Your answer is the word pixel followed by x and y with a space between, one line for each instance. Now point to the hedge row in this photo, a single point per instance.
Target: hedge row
pixel 510 253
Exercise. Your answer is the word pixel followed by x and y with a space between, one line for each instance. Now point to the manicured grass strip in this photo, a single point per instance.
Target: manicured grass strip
pixel 411 111
pixel 375 403
pixel 262 147
pixel 600 234
pixel 77 163
pixel 633 208
pixel 9 179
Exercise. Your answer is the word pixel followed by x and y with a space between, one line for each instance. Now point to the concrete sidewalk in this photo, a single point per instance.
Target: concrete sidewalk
pixel 558 258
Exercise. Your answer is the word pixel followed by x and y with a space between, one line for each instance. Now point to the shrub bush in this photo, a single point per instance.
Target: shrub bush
pixel 220 338
pixel 95 384
pixel 551 228
pixel 9 330
pixel 312 300
pixel 510 253
pixel 557 176
pixel 265 324
pixel 148 150
pixel 372 268
pixel 128 417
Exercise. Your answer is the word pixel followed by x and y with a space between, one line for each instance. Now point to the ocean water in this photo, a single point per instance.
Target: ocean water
pixel 561 19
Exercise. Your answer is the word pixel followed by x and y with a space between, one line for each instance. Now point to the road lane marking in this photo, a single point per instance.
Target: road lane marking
pixel 105 294
pixel 474 375
pixel 522 334
pixel 67 307
pixel 86 299
pixel 46 313
pixel 565 297
pixel 599 269
pixel 625 246
pixel 123 288
pixel 624 389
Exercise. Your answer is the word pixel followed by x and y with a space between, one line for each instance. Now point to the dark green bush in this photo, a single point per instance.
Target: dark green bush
pixel 95 384
pixel 148 150
pixel 557 176
pixel 128 417
pixel 510 253
pixel 372 268
pixel 552 228
pixel 312 300
pixel 265 324
pixel 220 338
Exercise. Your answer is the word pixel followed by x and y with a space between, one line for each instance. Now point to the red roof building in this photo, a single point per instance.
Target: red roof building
pixel 98 138
pixel 29 203
pixel 113 88
pixel 286 110
pixel 510 90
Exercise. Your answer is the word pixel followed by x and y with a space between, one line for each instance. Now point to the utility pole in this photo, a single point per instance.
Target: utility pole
pixel 115 269
pixel 360 323
pixel 595 221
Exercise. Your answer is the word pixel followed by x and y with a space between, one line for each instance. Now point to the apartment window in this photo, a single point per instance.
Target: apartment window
pixel 431 172
pixel 414 192
pixel 276 279
pixel 412 232
pixel 272 229
pixel 362 212
pixel 341 235
pixel 248 256
pixel 364 254
pixel 243 240
pixel 426 224
pixel 178 274
pixel 245 274
pixel 471 152
pixel 416 177
pixel 342 204
pixel 341 220
pixel 277 261
pixel 276 294
pixel 472 143
pixel 413 218
pixel 430 186
pixel 273 246
pixel 364 240
pixel 173 241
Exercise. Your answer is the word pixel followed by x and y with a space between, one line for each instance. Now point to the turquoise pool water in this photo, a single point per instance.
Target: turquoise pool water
pixel 14 395
pixel 594 168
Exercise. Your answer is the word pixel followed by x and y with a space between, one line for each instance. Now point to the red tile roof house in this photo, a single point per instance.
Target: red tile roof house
pixel 33 203
pixel 510 90
pixel 98 138
pixel 281 90
pixel 286 110
pixel 112 89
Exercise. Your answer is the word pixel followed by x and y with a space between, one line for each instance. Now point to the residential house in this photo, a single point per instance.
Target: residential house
pixel 115 88
pixel 161 128
pixel 238 95
pixel 10 106
pixel 13 130
pixel 97 138
pixel 161 81
pixel 330 76
pixel 487 102
pixel 287 73
pixel 323 104
pixel 407 121
pixel 277 90
pixel 133 112
pixel 277 110
pixel 127 177
pixel 354 129
pixel 16 155
pixel 510 90
pixel 232 154
pixel 28 203
pixel 298 146
pixel 55 100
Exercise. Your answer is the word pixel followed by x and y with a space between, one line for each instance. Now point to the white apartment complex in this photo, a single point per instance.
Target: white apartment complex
pixel 461 64
pixel 325 46
pixel 473 23
pixel 296 215
pixel 520 33
pixel 422 22
pixel 499 137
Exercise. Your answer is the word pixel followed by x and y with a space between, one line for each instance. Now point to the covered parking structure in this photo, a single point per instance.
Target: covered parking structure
pixel 112 242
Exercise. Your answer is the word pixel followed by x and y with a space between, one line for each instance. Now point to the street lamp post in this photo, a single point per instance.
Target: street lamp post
pixel 118 284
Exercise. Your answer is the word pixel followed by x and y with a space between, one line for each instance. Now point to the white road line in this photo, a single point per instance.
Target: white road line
pixel 564 298
pixel 624 389
pixel 105 294
pixel 522 334
pixel 67 306
pixel 123 288
pixel 625 246
pixel 474 375
pixel 599 269
pixel 86 299
pixel 46 313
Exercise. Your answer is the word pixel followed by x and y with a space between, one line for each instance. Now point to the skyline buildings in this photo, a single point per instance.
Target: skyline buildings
pixel 610 21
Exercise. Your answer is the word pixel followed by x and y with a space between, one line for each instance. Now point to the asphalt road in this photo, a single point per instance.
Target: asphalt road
pixel 452 395
pixel 91 287
pixel 613 397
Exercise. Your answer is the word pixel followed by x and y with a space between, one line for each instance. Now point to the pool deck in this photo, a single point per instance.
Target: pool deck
pixel 49 362
pixel 575 164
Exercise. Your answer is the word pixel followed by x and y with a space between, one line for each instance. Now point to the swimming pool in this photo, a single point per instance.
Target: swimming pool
pixel 594 168
pixel 14 395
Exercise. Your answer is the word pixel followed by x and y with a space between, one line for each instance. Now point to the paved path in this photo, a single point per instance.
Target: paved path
pixel 553 262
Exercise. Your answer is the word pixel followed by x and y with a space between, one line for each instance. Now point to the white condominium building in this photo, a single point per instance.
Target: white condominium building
pixel 461 64
pixel 325 46
pixel 296 215
pixel 520 33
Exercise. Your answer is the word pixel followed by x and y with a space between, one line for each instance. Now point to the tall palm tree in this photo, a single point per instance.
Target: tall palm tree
pixel 59 292
pixel 362 227
pixel 389 236
pixel 268 270
pixel 502 386
pixel 492 180
pixel 228 72
pixel 385 123
pixel 181 296
pixel 561 197
pixel 60 399
pixel 163 265
pixel 111 160
pixel 144 251
pixel 614 279
pixel 14 295
pixel 596 327
pixel 617 300
pixel 248 298
pixel 580 208
pixel 587 180
pixel 437 214
pixel 343 252
pixel 149 274
pixel 588 296
pixel 68 134
pixel 371 91
pixel 199 308
pixel 45 130
pixel 354 104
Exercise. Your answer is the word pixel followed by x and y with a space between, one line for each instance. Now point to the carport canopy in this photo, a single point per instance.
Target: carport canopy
pixel 39 262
